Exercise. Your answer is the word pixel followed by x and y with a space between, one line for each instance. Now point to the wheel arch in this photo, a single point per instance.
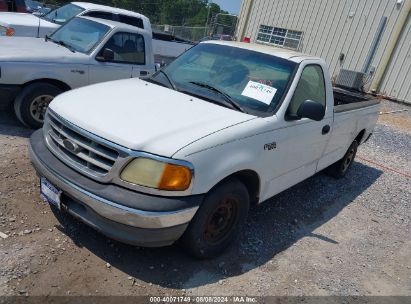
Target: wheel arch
pixel 360 136
pixel 251 181
pixel 58 83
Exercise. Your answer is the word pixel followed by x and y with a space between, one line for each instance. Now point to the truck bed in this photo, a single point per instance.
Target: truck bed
pixel 345 100
pixel 168 47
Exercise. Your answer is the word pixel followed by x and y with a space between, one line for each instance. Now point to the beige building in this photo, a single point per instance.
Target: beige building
pixel 367 37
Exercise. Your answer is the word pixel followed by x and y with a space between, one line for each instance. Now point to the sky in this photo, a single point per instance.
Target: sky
pixel 232 6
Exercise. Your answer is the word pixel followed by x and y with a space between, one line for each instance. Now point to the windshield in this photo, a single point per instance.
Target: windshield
pixel 81 35
pixel 32 5
pixel 63 14
pixel 255 81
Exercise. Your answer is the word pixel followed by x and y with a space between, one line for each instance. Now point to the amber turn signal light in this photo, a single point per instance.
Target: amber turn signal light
pixel 175 178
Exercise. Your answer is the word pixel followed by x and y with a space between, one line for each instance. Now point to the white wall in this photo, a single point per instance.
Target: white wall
pixel 397 80
pixel 329 31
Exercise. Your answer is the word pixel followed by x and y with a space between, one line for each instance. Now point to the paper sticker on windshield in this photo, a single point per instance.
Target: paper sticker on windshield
pixel 260 92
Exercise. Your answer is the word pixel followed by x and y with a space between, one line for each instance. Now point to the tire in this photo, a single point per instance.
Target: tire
pixel 31 104
pixel 340 168
pixel 218 221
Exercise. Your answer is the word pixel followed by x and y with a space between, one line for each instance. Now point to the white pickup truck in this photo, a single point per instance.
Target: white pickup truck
pixel 183 155
pixel 84 51
pixel 29 25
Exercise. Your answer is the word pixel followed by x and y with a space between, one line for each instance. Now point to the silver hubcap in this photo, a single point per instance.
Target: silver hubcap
pixel 39 106
pixel 349 160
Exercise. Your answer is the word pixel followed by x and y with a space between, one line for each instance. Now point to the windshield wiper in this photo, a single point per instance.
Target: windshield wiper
pixel 60 42
pixel 158 82
pixel 173 86
pixel 234 104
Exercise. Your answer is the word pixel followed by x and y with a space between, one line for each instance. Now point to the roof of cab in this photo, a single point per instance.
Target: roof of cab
pixel 105 8
pixel 266 49
pixel 115 24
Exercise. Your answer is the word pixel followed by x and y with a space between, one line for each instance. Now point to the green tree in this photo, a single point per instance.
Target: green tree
pixel 172 12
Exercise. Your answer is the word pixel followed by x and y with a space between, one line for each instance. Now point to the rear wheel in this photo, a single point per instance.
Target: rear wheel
pixel 340 168
pixel 218 220
pixel 31 104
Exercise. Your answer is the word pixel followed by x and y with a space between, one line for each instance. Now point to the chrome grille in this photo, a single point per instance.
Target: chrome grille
pixel 98 158
pixel 88 155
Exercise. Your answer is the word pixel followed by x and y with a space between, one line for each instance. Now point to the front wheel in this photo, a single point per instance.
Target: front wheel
pixel 340 168
pixel 218 221
pixel 31 104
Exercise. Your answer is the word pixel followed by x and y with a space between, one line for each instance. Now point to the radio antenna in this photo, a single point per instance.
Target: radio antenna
pixel 38 28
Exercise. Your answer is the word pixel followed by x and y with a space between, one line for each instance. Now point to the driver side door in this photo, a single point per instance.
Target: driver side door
pixel 121 65
pixel 300 142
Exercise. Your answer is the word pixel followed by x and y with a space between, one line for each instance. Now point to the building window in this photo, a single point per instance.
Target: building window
pixel 280 37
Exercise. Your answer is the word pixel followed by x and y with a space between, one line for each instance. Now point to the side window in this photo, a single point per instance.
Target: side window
pixel 133 21
pixel 101 15
pixel 128 48
pixel 310 87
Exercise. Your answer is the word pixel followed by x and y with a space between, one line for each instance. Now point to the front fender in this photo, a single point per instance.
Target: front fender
pixel 19 73
pixel 210 169
pixel 227 153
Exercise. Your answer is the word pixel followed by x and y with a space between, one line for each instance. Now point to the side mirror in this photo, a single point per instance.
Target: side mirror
pixel 311 110
pixel 157 67
pixel 106 55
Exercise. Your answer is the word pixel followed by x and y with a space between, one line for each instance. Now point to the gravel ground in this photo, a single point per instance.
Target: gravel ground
pixel 322 237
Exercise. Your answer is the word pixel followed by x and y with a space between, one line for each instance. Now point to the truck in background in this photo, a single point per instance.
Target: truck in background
pixel 84 51
pixel 166 47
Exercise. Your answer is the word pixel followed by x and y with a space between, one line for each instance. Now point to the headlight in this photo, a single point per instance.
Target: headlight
pixel 6 31
pixel 159 175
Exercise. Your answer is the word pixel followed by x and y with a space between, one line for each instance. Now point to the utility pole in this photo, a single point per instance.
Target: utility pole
pixel 208 16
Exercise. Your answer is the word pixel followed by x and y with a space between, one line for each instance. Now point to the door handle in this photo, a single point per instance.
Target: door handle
pixel 326 129
pixel 143 73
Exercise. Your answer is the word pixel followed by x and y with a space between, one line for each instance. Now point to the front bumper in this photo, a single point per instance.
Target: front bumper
pixel 8 93
pixel 103 207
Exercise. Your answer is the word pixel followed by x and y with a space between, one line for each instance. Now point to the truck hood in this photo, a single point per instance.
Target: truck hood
pixel 20 19
pixel 25 24
pixel 35 50
pixel 142 116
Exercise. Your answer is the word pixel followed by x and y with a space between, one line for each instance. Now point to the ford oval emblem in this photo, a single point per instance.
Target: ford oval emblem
pixel 72 147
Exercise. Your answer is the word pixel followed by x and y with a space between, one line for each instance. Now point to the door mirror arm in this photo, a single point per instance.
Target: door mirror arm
pixel 292 117
pixel 106 55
